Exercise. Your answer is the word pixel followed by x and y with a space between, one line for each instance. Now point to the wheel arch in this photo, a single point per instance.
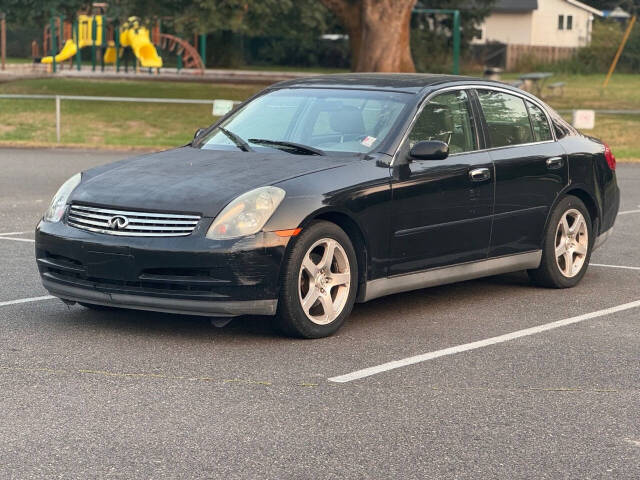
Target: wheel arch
pixel 587 198
pixel 357 237
pixel 589 202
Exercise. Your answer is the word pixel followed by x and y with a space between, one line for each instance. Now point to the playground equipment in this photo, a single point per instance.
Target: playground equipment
pixel 69 50
pixel 90 32
pixel 455 29
pixel 133 35
pixel 112 40
pixel 3 40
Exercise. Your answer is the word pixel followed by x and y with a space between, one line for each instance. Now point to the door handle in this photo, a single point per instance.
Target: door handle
pixel 479 174
pixel 554 162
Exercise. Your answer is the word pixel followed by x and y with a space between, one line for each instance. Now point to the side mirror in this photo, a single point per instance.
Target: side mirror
pixel 429 150
pixel 199 132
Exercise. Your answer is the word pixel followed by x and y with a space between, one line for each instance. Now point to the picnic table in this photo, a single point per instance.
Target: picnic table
pixel 536 79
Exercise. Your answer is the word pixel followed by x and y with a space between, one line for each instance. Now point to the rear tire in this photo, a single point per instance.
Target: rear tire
pixel 319 282
pixel 567 246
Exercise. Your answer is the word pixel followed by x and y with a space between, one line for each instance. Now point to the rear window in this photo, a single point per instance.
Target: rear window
pixel 507 118
pixel 539 122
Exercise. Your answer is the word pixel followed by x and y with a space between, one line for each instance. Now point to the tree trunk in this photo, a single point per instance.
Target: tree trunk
pixel 379 32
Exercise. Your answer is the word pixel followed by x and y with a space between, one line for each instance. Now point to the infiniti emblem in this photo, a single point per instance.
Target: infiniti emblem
pixel 119 222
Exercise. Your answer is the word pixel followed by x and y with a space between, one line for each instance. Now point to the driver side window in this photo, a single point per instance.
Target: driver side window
pixel 447 117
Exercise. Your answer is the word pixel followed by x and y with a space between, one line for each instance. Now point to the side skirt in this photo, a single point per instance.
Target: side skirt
pixel 456 273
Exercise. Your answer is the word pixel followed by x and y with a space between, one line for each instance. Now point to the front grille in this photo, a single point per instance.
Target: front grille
pixel 185 282
pixel 129 223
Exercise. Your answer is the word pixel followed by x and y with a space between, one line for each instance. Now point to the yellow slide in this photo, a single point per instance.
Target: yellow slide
pixel 110 53
pixel 139 41
pixel 69 50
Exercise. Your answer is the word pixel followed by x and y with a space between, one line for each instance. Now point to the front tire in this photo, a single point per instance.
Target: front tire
pixel 567 245
pixel 319 282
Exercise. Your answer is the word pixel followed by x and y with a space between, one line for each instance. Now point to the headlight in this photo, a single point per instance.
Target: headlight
pixel 247 214
pixel 59 201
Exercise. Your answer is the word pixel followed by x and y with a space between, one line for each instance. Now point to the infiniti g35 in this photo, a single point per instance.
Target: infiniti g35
pixel 322 192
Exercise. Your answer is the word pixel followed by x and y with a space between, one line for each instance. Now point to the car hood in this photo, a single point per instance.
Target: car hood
pixel 190 180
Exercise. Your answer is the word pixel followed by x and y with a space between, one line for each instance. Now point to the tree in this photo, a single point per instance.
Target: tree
pixel 432 33
pixel 631 6
pixel 37 12
pixel 379 33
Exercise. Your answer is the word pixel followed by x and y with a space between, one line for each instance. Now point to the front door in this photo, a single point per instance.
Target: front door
pixel 442 209
pixel 531 170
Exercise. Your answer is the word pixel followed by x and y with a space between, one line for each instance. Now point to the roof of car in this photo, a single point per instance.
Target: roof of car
pixel 405 82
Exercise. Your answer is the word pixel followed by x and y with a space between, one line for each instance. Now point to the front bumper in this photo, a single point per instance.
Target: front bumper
pixel 187 275
pixel 160 304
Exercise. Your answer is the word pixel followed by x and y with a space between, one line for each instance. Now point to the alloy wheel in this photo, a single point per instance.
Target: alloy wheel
pixel 572 243
pixel 324 281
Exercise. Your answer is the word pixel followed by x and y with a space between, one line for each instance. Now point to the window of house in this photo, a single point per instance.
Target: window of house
pixel 507 118
pixel 569 22
pixel 560 22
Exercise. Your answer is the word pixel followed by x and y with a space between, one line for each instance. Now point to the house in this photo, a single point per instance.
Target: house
pixel 617 14
pixel 539 23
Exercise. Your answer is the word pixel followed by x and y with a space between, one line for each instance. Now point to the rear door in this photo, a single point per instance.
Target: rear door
pixel 531 169
pixel 441 213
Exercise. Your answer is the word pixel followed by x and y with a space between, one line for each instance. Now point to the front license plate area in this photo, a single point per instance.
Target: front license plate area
pixel 114 266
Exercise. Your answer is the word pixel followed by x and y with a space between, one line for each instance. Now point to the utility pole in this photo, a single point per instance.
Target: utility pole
pixel 619 52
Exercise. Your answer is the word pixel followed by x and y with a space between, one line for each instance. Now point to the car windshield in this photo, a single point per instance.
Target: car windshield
pixel 308 121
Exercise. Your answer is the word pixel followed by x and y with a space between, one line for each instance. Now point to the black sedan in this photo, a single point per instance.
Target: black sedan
pixel 326 191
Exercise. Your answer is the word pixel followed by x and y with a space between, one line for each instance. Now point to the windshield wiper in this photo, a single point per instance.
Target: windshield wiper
pixel 288 146
pixel 240 143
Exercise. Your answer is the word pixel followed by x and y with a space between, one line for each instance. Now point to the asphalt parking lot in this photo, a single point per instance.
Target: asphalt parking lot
pixel 147 395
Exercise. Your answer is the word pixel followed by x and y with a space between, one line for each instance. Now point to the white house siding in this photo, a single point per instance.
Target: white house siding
pixel 544 23
pixel 514 28
pixel 539 27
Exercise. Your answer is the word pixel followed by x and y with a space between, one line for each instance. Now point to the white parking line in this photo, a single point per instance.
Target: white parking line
pixel 628 211
pixel 26 300
pixel 613 266
pixel 12 233
pixel 385 367
pixel 30 240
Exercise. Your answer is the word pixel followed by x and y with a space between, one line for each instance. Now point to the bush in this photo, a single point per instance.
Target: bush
pixel 597 57
pixel 302 51
pixel 19 40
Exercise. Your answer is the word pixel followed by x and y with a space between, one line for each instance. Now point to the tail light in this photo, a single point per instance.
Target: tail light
pixel 609 157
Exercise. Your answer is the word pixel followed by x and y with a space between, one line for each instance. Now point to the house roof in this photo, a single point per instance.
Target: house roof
pixel 521 6
pixel 584 6
pixel 616 13
pixel 515 5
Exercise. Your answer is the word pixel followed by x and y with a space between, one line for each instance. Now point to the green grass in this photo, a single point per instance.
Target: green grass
pixel 585 91
pixel 112 124
pixel 137 88
pixel 621 133
pixel 115 125
pixel 19 60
